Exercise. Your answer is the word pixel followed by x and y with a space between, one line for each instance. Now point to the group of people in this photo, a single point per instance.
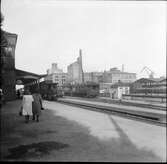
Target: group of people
pixel 31 105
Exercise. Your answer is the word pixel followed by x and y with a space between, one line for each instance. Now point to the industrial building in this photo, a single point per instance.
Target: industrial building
pixel 75 71
pixel 95 77
pixel 114 75
pixel 56 75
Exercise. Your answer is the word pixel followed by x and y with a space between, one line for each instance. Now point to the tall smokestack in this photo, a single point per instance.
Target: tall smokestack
pixel 80 52
pixel 80 60
pixel 122 67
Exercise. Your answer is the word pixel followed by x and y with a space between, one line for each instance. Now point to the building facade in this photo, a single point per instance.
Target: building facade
pixel 118 89
pixel 54 69
pixel 146 86
pixel 95 77
pixel 75 71
pixel 56 75
pixel 114 75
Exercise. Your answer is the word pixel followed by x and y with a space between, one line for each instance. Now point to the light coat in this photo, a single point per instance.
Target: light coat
pixel 27 105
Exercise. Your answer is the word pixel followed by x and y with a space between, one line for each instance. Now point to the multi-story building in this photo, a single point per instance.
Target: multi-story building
pixel 75 71
pixel 114 75
pixel 54 69
pixel 56 75
pixel 93 77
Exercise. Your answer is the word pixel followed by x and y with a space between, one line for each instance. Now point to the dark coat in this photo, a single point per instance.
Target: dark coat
pixel 37 104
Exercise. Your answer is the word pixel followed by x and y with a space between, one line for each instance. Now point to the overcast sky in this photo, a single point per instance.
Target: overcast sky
pixel 109 33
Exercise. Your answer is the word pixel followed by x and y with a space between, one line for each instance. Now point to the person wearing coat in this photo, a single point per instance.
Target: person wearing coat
pixel 27 105
pixel 36 106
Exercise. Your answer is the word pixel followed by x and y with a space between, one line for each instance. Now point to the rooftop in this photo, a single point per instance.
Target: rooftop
pixel 120 84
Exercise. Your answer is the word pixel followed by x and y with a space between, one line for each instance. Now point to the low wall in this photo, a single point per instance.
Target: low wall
pixel 145 98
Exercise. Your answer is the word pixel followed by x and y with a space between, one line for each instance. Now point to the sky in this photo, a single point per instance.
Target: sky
pixel 110 33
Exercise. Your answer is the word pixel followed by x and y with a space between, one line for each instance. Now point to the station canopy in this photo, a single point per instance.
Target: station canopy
pixel 24 77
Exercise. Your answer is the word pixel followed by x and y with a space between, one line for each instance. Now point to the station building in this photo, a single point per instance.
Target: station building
pixel 147 89
pixel 10 76
pixel 146 86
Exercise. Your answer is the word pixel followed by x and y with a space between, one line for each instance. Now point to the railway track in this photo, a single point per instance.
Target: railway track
pixel 139 105
pixel 163 108
pixel 157 119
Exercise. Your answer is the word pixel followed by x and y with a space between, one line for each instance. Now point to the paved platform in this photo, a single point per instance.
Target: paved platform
pixel 67 133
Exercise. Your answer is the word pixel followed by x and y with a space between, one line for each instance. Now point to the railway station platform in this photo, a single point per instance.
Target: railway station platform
pixel 67 133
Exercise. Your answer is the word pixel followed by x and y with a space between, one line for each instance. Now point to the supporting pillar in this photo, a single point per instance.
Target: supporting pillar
pixel 38 86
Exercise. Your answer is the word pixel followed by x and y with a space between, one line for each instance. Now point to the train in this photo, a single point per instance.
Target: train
pixel 87 90
pixel 48 91
pixel 52 91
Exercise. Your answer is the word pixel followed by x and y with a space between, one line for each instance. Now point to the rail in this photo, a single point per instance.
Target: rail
pixel 157 119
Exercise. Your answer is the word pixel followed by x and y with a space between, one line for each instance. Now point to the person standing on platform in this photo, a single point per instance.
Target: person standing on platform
pixel 27 105
pixel 18 94
pixel 36 105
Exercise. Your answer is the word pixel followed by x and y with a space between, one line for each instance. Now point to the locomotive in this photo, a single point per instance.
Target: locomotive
pixel 48 91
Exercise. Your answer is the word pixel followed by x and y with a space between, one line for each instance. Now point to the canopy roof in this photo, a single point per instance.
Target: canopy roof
pixel 24 77
pixel 144 80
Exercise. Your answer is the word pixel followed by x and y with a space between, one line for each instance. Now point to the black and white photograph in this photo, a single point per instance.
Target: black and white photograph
pixel 83 81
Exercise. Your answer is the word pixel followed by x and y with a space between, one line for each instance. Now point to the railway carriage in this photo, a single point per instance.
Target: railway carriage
pixel 48 91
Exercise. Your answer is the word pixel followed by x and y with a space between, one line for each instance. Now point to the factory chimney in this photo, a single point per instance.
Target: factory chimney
pixel 80 61
pixel 122 67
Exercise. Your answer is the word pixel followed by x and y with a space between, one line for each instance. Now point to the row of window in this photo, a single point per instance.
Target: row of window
pixel 58 80
pixel 124 75
pixel 60 77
